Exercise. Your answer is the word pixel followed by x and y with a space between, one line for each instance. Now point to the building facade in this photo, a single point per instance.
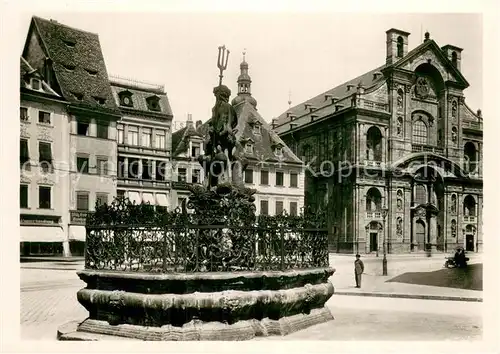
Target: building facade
pixel 187 145
pixel 394 155
pixel 44 136
pixel 144 142
pixel 75 132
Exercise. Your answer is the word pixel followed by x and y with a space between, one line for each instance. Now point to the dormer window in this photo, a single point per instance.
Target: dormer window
pixel 70 43
pixel 35 84
pixel 153 103
pixel 100 100
pixel 249 148
pixel 91 72
pixel 278 151
pixel 78 95
pixel 257 129
pixel 69 67
pixel 126 99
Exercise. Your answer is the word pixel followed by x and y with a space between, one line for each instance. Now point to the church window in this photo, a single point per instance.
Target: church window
pixel 400 47
pixel 419 132
pixel 420 194
pixel 373 200
pixel 374 144
pixel 454 59
pixel 469 206
pixel 470 157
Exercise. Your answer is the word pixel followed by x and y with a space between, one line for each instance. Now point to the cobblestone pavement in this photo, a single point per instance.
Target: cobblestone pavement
pixel 48 300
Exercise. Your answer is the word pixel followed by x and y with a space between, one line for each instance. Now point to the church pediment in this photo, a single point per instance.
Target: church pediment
pixel 430 53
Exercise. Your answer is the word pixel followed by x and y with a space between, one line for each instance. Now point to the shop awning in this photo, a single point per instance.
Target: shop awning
pixel 77 232
pixel 42 234
pixel 161 199
pixel 134 197
pixel 148 198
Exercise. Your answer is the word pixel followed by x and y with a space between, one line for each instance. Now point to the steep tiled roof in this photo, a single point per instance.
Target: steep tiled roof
pixel 180 138
pixel 139 98
pixel 264 141
pixel 27 72
pixel 78 64
pixel 322 101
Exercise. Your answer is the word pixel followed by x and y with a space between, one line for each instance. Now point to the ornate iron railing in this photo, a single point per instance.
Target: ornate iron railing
pixel 180 242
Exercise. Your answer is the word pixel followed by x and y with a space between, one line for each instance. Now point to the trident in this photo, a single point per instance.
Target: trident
pixel 220 61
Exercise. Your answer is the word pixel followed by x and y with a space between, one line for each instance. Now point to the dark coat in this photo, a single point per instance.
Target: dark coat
pixel 359 267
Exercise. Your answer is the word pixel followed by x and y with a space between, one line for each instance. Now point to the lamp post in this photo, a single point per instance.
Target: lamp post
pixel 384 260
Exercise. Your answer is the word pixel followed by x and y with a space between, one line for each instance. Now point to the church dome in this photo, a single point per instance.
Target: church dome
pixel 242 98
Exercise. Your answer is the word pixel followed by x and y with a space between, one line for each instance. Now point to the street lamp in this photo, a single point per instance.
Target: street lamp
pixel 384 260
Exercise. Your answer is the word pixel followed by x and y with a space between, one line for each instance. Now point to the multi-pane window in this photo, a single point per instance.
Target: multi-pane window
pixel 181 174
pixel 264 207
pixel 121 167
pixel 147 169
pixel 248 176
pixel 264 177
pixel 420 194
pixel 294 179
pixel 195 151
pixel 102 130
pixel 160 139
pixel 160 170
pixel 23 196
pixel 101 198
pixel 279 207
pixel 24 114
pixel 133 136
pixel 24 155
pixel 120 136
pixel 44 197
pixel 102 166
pixel 279 178
pixel 45 156
pixel 43 117
pixel 146 137
pixel 82 127
pixel 293 208
pixel 82 200
pixel 419 132
pixel 196 176
pixel 82 164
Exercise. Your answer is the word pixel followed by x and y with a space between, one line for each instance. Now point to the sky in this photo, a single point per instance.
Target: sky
pixel 296 55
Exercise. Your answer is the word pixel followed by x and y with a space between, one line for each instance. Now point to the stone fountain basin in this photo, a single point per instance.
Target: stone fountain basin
pixel 201 306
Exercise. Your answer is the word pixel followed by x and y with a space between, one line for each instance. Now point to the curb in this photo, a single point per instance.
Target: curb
pixel 411 296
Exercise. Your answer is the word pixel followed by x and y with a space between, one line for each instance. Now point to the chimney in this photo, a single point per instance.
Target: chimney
pixel 454 54
pixel 397 45
pixel 479 113
pixel 274 123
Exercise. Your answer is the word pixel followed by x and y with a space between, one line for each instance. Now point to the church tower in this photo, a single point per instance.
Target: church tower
pixel 244 86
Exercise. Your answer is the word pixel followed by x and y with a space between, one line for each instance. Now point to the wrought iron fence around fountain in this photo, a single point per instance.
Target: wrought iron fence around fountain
pixel 128 237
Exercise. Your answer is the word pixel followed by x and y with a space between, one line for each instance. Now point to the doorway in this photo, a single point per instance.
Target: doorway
pixel 373 241
pixel 469 243
pixel 420 234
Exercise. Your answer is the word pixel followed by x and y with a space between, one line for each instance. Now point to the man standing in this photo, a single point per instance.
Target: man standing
pixel 359 268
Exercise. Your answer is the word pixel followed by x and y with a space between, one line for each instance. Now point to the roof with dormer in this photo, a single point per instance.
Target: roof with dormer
pixel 323 105
pixel 77 63
pixel 27 72
pixel 180 138
pixel 139 97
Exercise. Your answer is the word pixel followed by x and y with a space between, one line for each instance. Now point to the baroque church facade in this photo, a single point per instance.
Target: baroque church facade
pixel 394 155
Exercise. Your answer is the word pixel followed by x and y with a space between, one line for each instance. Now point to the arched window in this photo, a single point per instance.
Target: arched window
pixel 400 47
pixel 420 194
pixel 470 159
pixel 373 200
pixel 454 59
pixel 419 132
pixel 469 206
pixel 374 144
